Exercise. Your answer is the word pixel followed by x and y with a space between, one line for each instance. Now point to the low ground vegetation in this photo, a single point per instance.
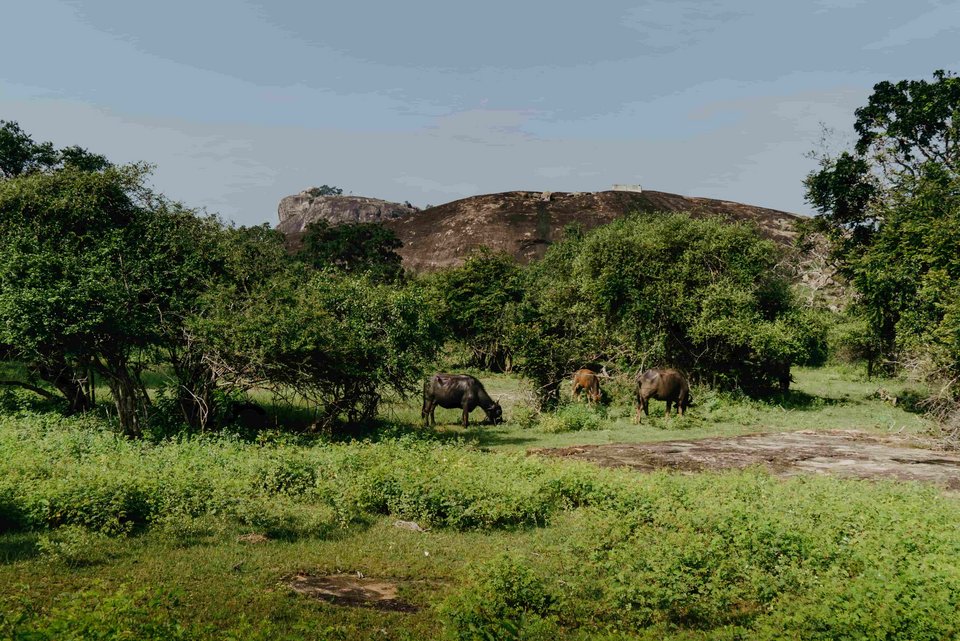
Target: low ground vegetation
pixel 143 541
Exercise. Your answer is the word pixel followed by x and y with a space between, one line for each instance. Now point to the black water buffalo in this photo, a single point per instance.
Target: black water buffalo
pixel 458 390
pixel 663 385
pixel 586 380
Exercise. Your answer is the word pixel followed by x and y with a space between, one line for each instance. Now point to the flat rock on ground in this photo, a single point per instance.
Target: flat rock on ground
pixel 350 590
pixel 841 452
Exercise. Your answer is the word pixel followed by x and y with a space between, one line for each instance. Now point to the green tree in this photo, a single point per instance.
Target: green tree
pixel 19 154
pixel 702 295
pixel 95 269
pixel 337 340
pixel 889 206
pixel 474 299
pixel 357 248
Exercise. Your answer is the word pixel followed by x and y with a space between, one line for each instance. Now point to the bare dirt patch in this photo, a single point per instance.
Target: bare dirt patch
pixel 350 590
pixel 840 452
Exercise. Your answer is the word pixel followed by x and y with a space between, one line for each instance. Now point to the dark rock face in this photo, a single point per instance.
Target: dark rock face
pixel 296 212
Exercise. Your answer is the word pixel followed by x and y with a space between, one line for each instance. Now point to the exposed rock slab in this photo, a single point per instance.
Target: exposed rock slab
pixel 841 452
pixel 350 590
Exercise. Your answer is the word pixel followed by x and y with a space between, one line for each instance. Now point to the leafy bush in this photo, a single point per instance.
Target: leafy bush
pixel 472 299
pixel 337 340
pixel 73 545
pixel 703 295
pixel 506 600
pixel 574 417
pixel 525 417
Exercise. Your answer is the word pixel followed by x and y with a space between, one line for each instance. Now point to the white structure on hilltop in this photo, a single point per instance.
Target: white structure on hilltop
pixel 635 188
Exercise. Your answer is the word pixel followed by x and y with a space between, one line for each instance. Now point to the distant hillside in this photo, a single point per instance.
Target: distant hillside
pixel 525 223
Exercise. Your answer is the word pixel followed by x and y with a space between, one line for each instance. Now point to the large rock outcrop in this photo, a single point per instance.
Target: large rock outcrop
pixel 525 223
pixel 520 223
pixel 296 212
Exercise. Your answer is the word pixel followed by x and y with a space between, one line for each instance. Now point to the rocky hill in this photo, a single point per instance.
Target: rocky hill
pixel 525 223
pixel 521 223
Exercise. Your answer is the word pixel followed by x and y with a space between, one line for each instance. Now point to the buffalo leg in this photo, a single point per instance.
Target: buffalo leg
pixel 466 417
pixel 432 413
pixel 667 412
pixel 425 412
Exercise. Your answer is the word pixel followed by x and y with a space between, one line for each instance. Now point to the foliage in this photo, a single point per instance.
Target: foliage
pixel 891 207
pixel 338 340
pixel 368 248
pixel 738 554
pixel 325 190
pixel 475 298
pixel 73 545
pixel 20 155
pixel 701 295
pixel 506 600
pixel 574 417
pixel 92 614
pixel 97 267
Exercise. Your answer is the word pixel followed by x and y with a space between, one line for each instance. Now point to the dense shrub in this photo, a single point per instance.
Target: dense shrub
pixel 506 600
pixel 703 295
pixel 339 341
pixel 574 417
pixel 472 300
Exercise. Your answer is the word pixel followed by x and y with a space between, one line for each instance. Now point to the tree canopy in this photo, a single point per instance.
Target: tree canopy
pixel 890 207
pixel 664 290
pixel 368 248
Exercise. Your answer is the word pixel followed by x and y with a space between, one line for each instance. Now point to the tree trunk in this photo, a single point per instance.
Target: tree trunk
pixel 64 377
pixel 196 383
pixel 129 397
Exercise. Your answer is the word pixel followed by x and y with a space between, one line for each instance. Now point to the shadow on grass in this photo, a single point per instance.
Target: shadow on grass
pixel 912 401
pixel 802 401
pixel 18 546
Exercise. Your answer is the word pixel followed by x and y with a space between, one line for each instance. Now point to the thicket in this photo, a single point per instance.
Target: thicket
pixel 473 303
pixel 702 295
pixel 891 207
pixel 104 279
pixel 734 555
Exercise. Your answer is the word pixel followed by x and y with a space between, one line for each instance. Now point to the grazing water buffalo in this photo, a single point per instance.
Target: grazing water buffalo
pixel 458 390
pixel 663 385
pixel 585 379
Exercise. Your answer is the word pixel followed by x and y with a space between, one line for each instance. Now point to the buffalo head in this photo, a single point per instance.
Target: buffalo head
pixel 494 413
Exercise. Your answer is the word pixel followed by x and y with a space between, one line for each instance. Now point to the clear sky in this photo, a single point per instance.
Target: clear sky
pixel 240 103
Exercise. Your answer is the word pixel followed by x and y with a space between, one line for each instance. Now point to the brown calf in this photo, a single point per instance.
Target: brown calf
pixel 585 379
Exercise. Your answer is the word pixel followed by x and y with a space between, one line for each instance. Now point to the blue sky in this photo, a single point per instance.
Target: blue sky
pixel 240 103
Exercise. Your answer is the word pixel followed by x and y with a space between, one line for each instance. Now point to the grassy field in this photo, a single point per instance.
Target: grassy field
pixel 820 399
pixel 105 538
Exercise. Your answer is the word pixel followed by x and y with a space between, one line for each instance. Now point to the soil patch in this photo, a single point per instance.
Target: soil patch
pixel 841 452
pixel 350 590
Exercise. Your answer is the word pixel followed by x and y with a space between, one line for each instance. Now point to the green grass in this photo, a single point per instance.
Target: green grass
pixel 102 537
pixel 825 398
pixel 518 548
